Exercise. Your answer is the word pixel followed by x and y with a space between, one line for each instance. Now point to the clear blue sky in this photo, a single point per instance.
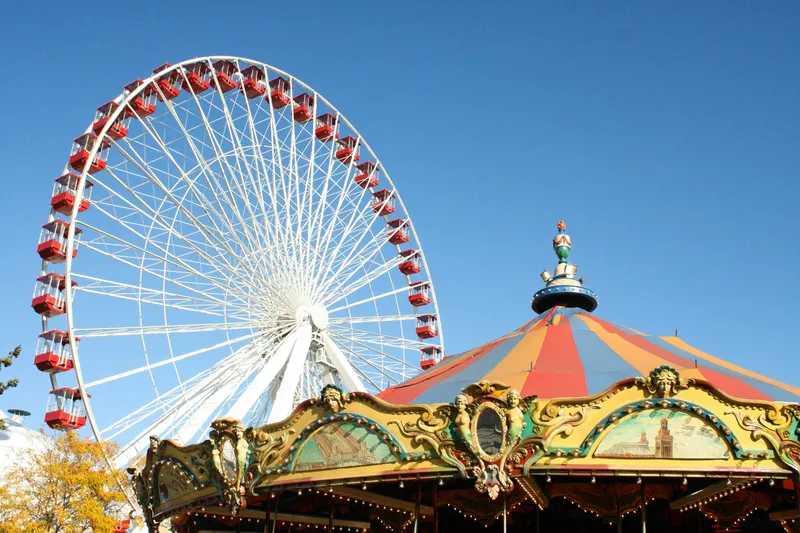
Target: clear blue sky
pixel 666 135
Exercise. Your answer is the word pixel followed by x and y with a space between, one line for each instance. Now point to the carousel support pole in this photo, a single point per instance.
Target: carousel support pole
pixel 330 519
pixel 644 510
pixel 505 517
pixel 436 508
pixel 266 512
pixel 416 506
pixel 538 514
pixel 275 520
pixel 616 502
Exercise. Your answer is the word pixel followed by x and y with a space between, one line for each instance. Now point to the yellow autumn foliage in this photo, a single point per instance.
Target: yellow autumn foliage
pixel 66 489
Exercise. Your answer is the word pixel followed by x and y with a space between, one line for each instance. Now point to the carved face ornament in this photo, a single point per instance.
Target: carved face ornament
pixel 333 398
pixel 461 403
pixel 665 382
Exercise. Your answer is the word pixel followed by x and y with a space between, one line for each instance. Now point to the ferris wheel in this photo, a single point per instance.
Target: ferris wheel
pixel 223 242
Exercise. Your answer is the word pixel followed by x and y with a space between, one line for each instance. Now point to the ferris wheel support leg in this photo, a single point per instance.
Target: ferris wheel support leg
pixel 284 399
pixel 343 366
pixel 264 378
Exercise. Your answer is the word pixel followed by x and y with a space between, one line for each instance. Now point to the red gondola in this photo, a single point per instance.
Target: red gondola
pixel 429 356
pixel 278 96
pixel 197 77
pixel 303 108
pixel 79 156
pixel 383 202
pixel 367 174
pixel 144 103
pixel 426 327
pixel 53 242
pixel 64 190
pixel 410 264
pixel 53 352
pixel 225 73
pixel 398 231
pixel 65 409
pixel 419 293
pixel 48 295
pixel 118 129
pixel 326 128
pixel 253 81
pixel 122 526
pixel 346 153
pixel 168 83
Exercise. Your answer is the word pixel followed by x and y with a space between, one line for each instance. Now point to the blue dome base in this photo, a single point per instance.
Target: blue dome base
pixel 565 296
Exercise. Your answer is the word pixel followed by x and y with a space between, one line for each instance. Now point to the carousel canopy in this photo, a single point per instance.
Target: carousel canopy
pixel 568 352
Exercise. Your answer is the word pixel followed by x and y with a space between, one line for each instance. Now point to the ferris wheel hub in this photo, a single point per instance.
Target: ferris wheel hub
pixel 316 314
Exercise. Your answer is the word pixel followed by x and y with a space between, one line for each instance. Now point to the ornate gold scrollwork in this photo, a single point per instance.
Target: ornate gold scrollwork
pixel 777 435
pixel 266 449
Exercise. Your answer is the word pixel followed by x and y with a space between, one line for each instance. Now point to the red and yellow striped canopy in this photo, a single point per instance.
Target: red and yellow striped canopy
pixel 568 352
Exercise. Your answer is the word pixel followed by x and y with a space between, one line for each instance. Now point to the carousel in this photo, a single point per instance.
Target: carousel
pixel 567 423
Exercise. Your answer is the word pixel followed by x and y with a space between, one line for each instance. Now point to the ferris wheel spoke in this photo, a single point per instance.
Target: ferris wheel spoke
pixel 284 399
pixel 217 263
pixel 381 339
pixel 168 403
pixel 216 188
pixel 175 277
pixel 343 289
pixel 173 329
pixel 260 170
pixel 115 247
pixel 336 217
pixel 355 248
pixel 383 370
pixel 265 377
pixel 212 238
pixel 169 361
pixel 345 321
pixel 124 291
pixel 315 222
pixel 192 408
pixel 229 176
pixel 371 299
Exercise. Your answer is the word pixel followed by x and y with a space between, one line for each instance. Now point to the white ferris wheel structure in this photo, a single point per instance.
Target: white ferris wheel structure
pixel 223 242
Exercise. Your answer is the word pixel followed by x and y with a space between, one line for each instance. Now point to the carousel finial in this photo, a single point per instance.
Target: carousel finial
pixel 562 243
pixel 563 288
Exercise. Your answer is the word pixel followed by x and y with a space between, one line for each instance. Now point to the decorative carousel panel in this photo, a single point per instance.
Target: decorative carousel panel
pixel 341 446
pixel 662 434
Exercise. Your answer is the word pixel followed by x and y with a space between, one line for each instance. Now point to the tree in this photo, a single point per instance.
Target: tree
pixel 66 489
pixel 6 362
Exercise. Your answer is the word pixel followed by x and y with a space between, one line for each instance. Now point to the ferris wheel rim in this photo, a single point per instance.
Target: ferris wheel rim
pixel 123 101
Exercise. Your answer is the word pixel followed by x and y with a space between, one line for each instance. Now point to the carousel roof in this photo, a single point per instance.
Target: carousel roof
pixel 567 352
